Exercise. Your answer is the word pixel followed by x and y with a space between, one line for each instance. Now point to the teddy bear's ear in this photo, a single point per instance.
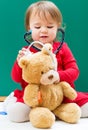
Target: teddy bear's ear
pixel 23 62
pixel 47 48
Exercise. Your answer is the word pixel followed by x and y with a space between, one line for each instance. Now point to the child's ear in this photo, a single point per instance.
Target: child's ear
pixel 27 27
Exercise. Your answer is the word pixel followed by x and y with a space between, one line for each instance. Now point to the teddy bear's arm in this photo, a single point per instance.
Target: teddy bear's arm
pixel 68 91
pixel 31 95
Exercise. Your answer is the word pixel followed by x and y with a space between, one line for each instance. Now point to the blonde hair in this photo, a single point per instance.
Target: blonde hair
pixel 42 8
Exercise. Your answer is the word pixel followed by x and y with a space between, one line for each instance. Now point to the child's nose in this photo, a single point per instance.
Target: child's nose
pixel 44 29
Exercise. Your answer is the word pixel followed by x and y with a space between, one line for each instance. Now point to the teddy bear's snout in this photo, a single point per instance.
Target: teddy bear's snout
pixel 49 77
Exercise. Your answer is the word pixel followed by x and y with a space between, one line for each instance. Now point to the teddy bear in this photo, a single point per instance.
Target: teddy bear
pixel 43 94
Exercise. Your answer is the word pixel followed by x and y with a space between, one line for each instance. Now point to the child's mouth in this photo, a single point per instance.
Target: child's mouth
pixel 44 36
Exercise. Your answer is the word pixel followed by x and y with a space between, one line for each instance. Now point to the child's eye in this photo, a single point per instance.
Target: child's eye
pixel 37 27
pixel 49 26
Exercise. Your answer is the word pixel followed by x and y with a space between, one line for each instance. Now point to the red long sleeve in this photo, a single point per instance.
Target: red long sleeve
pixel 16 75
pixel 16 72
pixel 67 66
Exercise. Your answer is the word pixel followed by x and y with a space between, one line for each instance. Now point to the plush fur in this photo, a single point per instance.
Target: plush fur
pixel 42 94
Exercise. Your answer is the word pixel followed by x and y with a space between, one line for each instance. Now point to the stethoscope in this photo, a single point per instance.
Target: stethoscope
pixel 28 39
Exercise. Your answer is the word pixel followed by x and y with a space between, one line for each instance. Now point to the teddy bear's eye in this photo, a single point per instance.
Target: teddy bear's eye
pixel 42 72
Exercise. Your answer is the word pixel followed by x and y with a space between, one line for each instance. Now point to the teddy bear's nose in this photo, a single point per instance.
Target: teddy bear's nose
pixel 50 77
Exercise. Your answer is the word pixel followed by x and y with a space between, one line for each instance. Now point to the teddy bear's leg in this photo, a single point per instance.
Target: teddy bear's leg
pixel 69 112
pixel 41 117
pixel 18 112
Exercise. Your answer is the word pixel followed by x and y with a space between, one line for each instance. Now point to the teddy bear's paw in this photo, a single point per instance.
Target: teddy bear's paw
pixel 41 117
pixel 68 112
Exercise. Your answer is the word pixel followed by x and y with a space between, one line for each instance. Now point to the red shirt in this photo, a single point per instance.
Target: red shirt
pixel 67 67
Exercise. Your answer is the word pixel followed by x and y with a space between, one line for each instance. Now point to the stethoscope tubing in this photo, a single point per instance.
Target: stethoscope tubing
pixel 57 50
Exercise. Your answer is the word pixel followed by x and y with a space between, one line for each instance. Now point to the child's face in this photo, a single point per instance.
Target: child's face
pixel 43 30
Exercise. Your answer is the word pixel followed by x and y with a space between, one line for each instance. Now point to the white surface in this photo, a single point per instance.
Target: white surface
pixel 5 124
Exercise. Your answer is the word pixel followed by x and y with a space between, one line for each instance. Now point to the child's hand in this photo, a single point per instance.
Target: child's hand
pixel 21 53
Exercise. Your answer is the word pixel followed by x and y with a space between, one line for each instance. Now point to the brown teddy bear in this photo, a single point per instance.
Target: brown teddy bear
pixel 42 94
